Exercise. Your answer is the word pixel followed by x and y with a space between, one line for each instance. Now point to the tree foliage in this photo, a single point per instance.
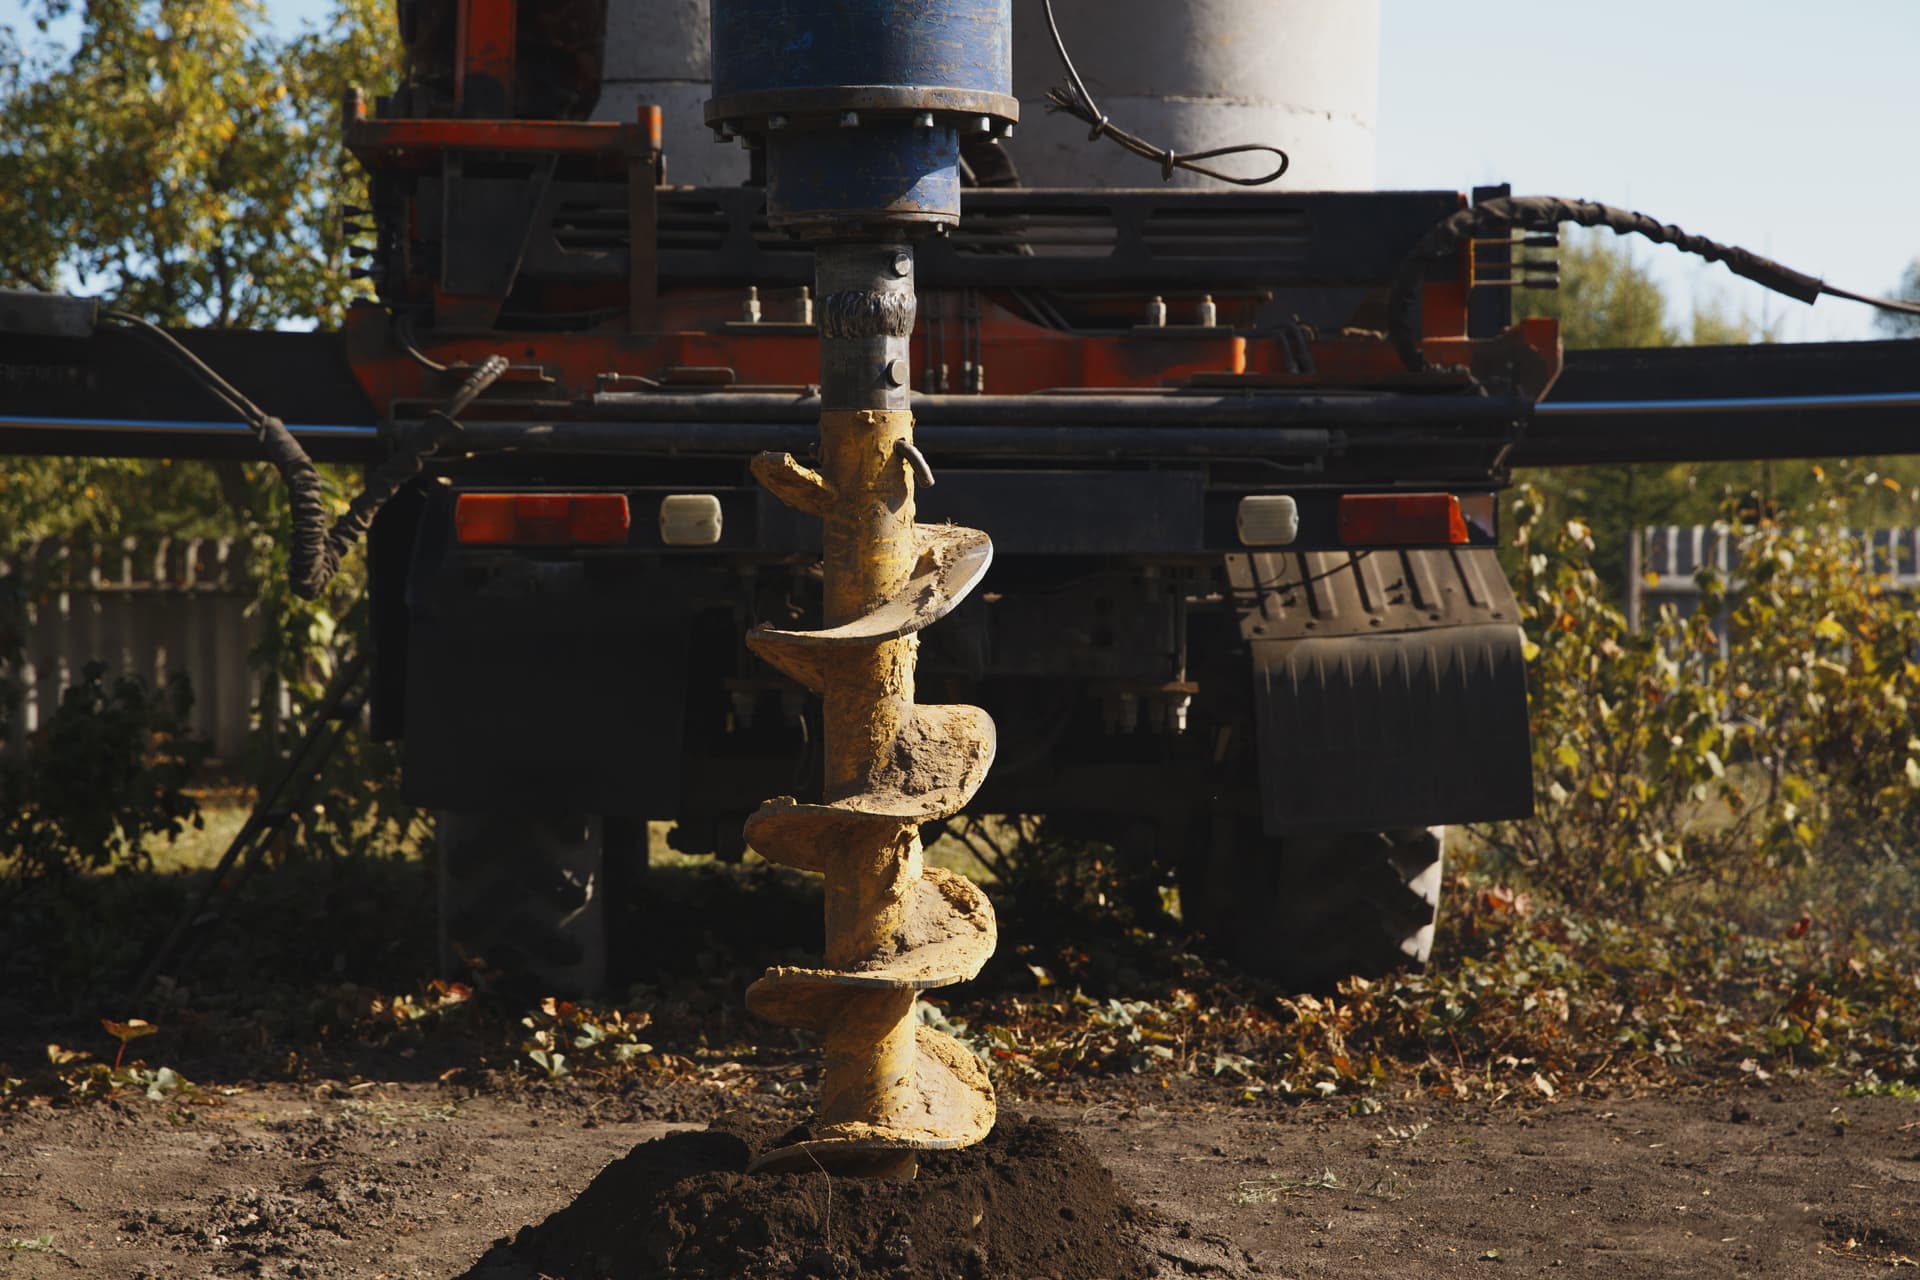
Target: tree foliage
pixel 1898 324
pixel 186 162
pixel 183 160
pixel 108 773
pixel 1607 297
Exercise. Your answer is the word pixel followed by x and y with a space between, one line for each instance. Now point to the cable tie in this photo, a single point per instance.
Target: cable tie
pixel 1099 130
pixel 1168 163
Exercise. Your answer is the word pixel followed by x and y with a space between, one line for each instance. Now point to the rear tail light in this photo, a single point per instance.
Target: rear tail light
pixel 541 519
pixel 1401 520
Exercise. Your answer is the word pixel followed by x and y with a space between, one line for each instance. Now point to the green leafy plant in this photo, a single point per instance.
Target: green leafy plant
pixel 563 1036
pixel 107 773
pixel 126 1033
pixel 1666 756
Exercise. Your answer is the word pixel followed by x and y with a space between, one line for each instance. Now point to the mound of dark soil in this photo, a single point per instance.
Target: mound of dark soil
pixel 1030 1202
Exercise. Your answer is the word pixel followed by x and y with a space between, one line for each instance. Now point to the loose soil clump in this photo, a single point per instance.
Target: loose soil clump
pixel 1031 1201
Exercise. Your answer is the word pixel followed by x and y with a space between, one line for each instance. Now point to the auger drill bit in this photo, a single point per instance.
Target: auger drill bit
pixel 894 926
pixel 858 108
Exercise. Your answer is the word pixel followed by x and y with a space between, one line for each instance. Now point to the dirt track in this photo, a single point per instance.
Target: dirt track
pixel 416 1181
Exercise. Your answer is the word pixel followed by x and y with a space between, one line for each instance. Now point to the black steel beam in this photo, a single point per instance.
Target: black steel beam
pixel 119 394
pixel 1701 404
pixel 1176 241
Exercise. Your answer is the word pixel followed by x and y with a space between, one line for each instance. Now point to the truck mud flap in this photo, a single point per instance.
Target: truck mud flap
pixel 1389 688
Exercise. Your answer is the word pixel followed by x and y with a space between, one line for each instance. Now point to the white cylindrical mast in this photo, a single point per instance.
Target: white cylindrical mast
pixel 1301 74
pixel 660 53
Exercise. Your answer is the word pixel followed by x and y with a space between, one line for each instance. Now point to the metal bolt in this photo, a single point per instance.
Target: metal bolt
pixel 1157 312
pixel 896 373
pixel 924 120
pixel 1006 131
pixel 984 124
pixel 849 119
pixel 751 311
pixel 1209 313
pixel 806 305
pixel 903 264
pixel 776 122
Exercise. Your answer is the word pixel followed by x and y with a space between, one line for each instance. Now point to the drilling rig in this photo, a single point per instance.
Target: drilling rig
pixel 673 303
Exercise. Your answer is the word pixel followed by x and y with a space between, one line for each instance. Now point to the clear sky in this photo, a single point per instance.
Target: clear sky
pixel 1789 128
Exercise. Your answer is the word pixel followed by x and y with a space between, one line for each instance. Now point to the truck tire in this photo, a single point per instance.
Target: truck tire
pixel 523 900
pixel 1310 911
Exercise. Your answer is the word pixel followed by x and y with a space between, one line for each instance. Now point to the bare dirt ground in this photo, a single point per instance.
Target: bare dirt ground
pixel 417 1180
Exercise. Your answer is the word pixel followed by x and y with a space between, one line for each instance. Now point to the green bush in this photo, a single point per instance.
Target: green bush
pixel 1660 761
pixel 108 772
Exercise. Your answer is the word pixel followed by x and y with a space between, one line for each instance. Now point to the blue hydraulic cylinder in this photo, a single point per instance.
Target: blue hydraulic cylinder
pixel 861 104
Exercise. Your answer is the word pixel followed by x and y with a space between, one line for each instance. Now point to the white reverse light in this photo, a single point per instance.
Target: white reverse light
pixel 690 520
pixel 1268 520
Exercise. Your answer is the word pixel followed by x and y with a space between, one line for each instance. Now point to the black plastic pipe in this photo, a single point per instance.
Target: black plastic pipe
pixel 609 437
pixel 1174 409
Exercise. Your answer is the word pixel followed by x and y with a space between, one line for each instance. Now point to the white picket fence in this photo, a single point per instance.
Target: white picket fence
pixel 1662 561
pixel 153 610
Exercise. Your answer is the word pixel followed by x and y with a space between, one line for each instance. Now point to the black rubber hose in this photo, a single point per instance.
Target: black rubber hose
pixel 315 550
pixel 1500 218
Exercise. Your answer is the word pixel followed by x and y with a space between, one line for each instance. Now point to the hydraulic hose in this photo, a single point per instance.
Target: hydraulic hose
pixel 315 549
pixel 1501 217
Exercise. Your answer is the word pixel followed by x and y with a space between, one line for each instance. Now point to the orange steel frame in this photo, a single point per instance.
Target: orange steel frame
pixel 690 336
pixel 693 345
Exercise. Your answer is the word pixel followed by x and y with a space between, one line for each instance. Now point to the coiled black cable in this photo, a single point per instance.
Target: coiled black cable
pixel 315 549
pixel 1501 217
pixel 1078 102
